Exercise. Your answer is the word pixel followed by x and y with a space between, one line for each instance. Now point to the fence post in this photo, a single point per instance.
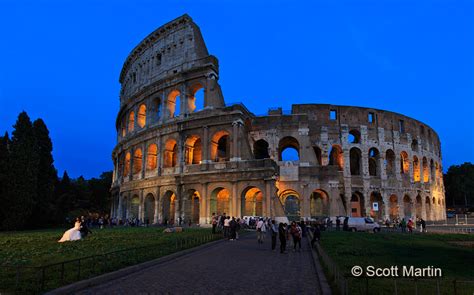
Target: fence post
pixel 62 273
pixel 79 269
pixel 42 278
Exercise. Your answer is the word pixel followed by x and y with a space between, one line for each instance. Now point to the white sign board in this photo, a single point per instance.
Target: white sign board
pixel 375 206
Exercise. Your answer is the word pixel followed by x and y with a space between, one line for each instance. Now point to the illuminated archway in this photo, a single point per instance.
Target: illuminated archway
pixel 170 154
pixel 407 206
pixel 173 104
pixel 151 157
pixel 376 197
pixel 291 204
pixel 169 207
pixel 220 201
pixel 357 205
pixel 336 157
pixel 394 207
pixel 220 146
pixel 141 118
pixel 137 161
pixel 134 205
pixel 318 204
pixel 193 150
pixel 149 216
pixel 252 198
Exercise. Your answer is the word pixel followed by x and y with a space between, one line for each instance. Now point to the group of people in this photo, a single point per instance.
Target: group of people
pixel 229 226
pixel 407 226
pixel 79 231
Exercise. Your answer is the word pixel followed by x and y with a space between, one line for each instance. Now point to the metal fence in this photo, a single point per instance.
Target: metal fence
pixel 347 284
pixel 37 279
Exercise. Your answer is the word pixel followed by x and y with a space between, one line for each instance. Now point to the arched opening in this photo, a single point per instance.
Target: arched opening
pixel 336 157
pixel 355 161
pixel 252 202
pixel 393 207
pixel 193 150
pixel 404 163
pixel 137 161
pixel 126 168
pixel 426 171
pixel 169 207
pixel 407 210
pixel 390 162
pixel 357 205
pixel 289 149
pixel 196 101
pixel 174 103
pixel 432 169
pixel 418 206
pixel 354 136
pixel 376 198
pixel 318 204
pixel 134 205
pixel 414 145
pixel 131 122
pixel 318 154
pixel 192 206
pixel 141 118
pixel 220 201
pixel 220 146
pixel 149 217
pixel 151 157
pixel 416 169
pixel 124 208
pixel 260 149
pixel 373 162
pixel 291 204
pixel 428 208
pixel 157 107
pixel 170 154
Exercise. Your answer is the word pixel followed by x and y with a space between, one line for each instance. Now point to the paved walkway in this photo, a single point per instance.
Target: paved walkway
pixel 231 267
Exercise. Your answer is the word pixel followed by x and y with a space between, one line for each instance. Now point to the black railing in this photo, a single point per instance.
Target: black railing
pixel 37 279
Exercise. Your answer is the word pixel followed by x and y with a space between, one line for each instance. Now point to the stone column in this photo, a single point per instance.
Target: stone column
pixel 235 134
pixel 132 154
pixel 204 206
pixel 158 213
pixel 306 202
pixel 233 207
pixel 205 146
pixel 267 200
pixel 144 149
pixel 140 206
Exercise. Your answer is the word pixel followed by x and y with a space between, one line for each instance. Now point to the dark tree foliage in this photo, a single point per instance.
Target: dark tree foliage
pixel 22 175
pixel 4 157
pixel 459 184
pixel 31 195
pixel 47 177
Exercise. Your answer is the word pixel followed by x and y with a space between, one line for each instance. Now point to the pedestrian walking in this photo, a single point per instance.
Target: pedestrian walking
pixel 274 231
pixel 214 223
pixel 282 235
pixel 316 235
pixel 233 229
pixel 295 232
pixel 338 224
pixel 226 226
pixel 423 225
pixel 261 229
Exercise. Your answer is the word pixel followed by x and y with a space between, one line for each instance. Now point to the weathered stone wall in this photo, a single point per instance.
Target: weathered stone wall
pixel 223 159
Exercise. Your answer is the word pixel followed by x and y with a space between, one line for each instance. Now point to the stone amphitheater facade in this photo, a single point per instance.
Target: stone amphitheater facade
pixel 182 153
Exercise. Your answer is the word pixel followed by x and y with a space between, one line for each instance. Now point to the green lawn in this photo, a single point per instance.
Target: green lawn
pixel 40 248
pixel 453 253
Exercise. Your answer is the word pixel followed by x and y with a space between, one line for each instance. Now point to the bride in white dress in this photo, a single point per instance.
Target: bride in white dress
pixel 72 234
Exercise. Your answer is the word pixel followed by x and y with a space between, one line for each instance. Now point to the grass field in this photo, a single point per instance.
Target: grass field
pixel 453 253
pixel 34 250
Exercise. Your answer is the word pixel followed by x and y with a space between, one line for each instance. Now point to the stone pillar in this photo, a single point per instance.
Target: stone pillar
pixel 204 206
pixel 206 152
pixel 235 147
pixel 386 203
pixel 305 210
pixel 130 172
pixel 325 148
pixel 144 149
pixel 233 205
pixel 141 212
pixel 158 213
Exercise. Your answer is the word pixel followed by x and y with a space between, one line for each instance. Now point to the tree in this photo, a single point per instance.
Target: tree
pixel 4 159
pixel 100 192
pixel 459 184
pixel 22 174
pixel 43 204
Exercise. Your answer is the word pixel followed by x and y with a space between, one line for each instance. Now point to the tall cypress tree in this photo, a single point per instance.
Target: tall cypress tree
pixel 43 204
pixel 4 157
pixel 22 174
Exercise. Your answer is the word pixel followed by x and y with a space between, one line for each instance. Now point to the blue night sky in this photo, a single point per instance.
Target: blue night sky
pixel 60 60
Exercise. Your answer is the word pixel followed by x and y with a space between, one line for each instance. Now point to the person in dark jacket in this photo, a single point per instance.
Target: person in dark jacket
pixel 345 226
pixel 316 235
pixel 233 229
pixel 282 236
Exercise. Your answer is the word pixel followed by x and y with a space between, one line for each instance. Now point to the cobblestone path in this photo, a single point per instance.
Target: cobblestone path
pixel 231 267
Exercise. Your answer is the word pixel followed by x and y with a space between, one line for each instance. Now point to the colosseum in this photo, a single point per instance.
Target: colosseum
pixel 184 154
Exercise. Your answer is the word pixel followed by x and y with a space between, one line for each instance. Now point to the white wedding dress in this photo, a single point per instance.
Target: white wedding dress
pixel 72 234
